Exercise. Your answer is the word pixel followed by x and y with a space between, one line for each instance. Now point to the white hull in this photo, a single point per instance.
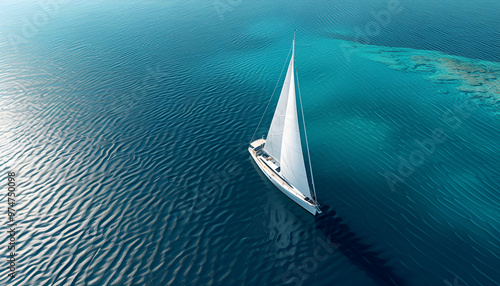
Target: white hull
pixel 286 188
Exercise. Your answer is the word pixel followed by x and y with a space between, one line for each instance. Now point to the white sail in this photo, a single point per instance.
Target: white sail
pixel 274 137
pixel 292 158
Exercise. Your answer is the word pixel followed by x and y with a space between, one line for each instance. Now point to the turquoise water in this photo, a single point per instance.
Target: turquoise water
pixel 127 125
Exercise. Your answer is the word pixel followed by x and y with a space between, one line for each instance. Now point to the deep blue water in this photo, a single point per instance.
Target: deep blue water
pixel 127 124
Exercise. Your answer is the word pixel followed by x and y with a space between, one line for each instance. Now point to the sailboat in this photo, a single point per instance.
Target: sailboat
pixel 280 156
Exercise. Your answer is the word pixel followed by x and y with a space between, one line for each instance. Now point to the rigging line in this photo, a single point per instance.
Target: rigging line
pixel 260 121
pixel 305 134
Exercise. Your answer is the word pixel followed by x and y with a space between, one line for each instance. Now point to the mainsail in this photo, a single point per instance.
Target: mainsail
pixel 274 137
pixel 283 139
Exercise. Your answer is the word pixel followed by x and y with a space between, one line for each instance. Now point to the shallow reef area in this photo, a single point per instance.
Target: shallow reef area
pixel 478 79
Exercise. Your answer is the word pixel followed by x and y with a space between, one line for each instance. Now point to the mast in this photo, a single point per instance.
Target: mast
pixel 313 189
pixel 291 160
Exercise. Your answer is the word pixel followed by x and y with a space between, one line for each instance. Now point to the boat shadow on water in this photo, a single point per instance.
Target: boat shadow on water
pixel 339 234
